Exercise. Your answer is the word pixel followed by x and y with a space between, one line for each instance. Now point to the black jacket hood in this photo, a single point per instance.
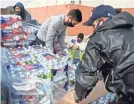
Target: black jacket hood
pixel 122 20
pixel 19 4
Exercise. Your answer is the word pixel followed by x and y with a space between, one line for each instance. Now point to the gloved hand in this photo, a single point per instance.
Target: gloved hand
pixel 76 98
pixel 66 51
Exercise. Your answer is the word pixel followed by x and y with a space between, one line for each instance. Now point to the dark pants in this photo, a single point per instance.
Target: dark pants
pixel 128 80
pixel 37 41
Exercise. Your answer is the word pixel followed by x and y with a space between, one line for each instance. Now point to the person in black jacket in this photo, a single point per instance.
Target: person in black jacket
pixel 21 11
pixel 110 50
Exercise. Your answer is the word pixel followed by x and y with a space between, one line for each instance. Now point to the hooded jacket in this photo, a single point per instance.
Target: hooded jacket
pixel 110 50
pixel 24 14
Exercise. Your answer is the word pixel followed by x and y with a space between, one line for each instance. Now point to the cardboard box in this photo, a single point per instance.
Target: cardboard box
pixel 98 91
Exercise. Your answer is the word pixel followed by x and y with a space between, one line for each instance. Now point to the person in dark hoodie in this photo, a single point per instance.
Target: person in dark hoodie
pixel 110 50
pixel 20 10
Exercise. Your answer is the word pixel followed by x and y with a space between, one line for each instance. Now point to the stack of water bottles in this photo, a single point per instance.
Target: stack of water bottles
pixel 56 67
pixel 12 30
pixel 23 70
pixel 71 74
pixel 107 99
pixel 37 62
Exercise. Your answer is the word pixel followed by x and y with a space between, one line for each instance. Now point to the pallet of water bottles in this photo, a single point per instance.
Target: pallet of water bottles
pixel 35 62
pixel 40 62
pixel 13 30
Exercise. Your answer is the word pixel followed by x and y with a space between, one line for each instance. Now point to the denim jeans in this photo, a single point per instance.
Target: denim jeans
pixel 76 61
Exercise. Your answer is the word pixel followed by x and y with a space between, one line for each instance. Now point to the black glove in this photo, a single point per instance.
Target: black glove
pixel 80 92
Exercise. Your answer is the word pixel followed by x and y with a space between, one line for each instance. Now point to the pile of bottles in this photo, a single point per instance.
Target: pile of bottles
pixel 107 99
pixel 27 63
pixel 12 28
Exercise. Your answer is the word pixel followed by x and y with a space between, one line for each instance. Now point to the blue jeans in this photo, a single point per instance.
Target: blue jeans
pixel 76 61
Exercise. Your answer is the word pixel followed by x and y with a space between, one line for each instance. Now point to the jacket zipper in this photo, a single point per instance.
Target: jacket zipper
pixel 112 76
pixel 106 79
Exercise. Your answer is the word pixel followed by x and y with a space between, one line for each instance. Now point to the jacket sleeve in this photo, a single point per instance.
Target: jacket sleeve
pixel 86 73
pixel 27 17
pixel 61 39
pixel 51 34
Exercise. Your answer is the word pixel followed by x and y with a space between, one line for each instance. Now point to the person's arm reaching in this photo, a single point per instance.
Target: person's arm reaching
pixel 51 34
pixel 61 39
pixel 86 73
pixel 71 43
